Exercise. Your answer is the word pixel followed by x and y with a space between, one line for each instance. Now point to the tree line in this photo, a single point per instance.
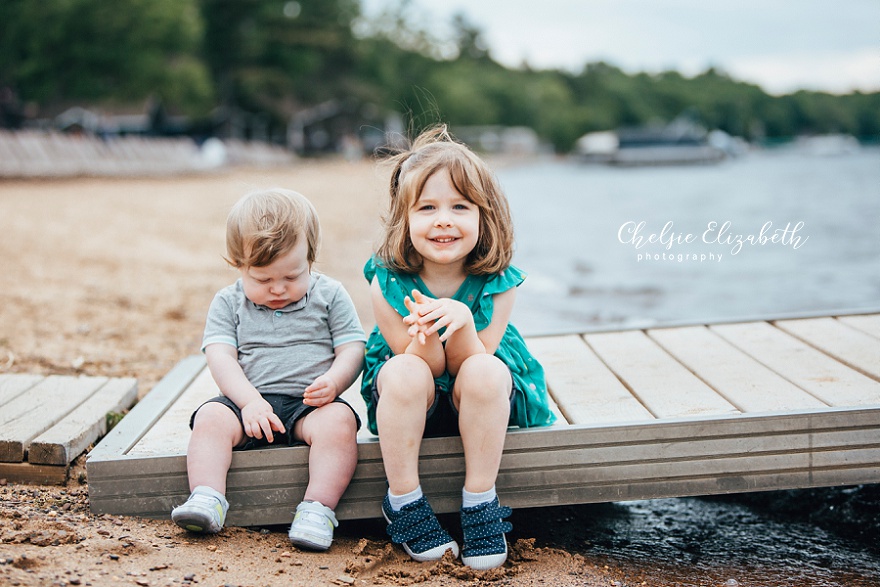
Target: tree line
pixel 273 59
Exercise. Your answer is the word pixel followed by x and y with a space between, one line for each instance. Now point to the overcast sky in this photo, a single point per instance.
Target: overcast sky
pixel 782 45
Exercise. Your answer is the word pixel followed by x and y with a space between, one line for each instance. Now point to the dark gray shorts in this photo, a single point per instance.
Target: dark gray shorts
pixel 289 409
pixel 441 419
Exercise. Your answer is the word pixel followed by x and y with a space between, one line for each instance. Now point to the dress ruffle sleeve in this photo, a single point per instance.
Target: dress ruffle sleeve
pixel 394 286
pixel 500 282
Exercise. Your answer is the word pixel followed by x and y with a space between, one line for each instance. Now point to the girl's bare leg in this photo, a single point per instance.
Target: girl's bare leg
pixel 406 391
pixel 482 397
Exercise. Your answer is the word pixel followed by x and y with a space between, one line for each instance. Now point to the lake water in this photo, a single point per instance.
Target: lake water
pixel 608 248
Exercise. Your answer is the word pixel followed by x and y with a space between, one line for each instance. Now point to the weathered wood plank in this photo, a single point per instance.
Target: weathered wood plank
pixel 600 463
pixel 32 413
pixel 744 382
pixel 33 474
pixel 147 411
pixel 869 323
pixel 62 443
pixel 655 489
pixel 661 383
pixel 583 387
pixel 170 435
pixel 13 385
pixel 519 495
pixel 811 370
pixel 848 345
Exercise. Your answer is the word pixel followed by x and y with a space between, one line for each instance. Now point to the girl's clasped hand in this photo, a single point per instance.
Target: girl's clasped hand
pixel 428 315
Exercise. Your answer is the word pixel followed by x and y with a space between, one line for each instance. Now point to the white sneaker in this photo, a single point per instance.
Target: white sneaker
pixel 204 511
pixel 312 526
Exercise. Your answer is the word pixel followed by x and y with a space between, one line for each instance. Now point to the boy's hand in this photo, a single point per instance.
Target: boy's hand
pixel 259 419
pixel 322 391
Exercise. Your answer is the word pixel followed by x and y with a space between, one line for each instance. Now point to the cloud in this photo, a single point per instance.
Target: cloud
pixel 836 72
pixel 782 45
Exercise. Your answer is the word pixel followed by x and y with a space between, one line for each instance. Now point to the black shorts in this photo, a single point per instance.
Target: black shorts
pixel 288 408
pixel 441 419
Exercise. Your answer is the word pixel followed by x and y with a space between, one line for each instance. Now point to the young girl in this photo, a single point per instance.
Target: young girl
pixel 443 359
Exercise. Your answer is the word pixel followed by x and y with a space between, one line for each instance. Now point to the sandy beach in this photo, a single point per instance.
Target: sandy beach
pixel 113 277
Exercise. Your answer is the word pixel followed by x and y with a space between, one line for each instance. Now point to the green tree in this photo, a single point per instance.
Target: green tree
pixel 268 60
pixel 63 51
pixel 277 56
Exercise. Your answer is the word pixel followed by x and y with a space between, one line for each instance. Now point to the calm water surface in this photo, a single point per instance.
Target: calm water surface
pixel 584 232
pixel 607 247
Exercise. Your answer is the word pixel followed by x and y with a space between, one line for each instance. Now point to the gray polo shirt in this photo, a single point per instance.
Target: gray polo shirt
pixel 283 351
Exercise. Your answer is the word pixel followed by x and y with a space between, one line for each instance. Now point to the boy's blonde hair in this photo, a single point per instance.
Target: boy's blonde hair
pixel 265 224
pixel 433 150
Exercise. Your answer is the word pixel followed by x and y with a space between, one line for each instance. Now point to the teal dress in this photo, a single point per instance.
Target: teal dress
pixel 530 404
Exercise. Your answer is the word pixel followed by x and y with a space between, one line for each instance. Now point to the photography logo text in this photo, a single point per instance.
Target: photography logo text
pixel 717 240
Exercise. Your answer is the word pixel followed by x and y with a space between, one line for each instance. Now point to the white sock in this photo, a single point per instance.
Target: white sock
pixel 398 501
pixel 469 500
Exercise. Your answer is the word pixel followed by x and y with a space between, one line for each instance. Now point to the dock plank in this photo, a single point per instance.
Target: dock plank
pixel 743 381
pixel 13 385
pixel 148 410
pixel 582 386
pixel 661 383
pixel 869 323
pixel 810 369
pixel 30 414
pixel 33 474
pixel 66 440
pixel 170 435
pixel 848 345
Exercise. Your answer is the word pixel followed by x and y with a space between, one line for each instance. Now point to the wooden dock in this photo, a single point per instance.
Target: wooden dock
pixel 32 153
pixel 47 421
pixel 643 413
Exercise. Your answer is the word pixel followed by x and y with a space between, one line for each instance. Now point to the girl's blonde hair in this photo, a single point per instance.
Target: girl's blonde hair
pixel 265 224
pixel 433 150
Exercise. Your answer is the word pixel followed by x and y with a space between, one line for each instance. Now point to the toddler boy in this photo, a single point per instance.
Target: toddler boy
pixel 282 343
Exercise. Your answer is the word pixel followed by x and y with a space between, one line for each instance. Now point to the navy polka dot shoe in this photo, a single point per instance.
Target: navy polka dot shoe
pixel 416 529
pixel 484 546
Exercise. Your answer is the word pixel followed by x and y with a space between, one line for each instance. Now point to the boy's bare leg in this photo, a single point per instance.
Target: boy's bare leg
pixel 331 432
pixel 406 390
pixel 482 397
pixel 216 430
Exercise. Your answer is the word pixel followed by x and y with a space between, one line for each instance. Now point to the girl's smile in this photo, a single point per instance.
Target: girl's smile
pixel 444 226
pixel 443 240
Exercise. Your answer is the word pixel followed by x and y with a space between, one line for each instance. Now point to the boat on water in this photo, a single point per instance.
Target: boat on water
pixel 680 142
pixel 830 145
